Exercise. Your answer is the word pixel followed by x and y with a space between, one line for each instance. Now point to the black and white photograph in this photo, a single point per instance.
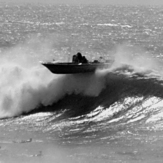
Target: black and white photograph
pixel 81 81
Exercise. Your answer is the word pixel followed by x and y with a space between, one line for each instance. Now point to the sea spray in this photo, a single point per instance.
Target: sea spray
pixel 136 57
pixel 25 84
pixel 24 89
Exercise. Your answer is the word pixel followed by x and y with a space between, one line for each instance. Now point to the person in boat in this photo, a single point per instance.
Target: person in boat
pixel 78 58
pixel 96 61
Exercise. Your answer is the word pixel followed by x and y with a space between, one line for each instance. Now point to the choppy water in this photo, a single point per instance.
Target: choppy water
pixel 113 115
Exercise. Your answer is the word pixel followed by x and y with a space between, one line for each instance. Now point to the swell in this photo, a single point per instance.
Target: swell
pixel 118 88
pixel 126 102
pixel 36 90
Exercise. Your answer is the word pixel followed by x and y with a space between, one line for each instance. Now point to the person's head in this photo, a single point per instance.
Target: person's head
pixel 79 55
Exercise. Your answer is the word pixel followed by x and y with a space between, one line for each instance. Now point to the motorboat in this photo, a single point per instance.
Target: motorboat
pixel 74 68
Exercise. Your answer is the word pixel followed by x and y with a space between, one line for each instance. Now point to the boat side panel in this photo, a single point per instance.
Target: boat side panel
pixel 67 69
pixel 71 68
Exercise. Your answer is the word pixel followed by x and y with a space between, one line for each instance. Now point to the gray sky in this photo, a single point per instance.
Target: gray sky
pixel 129 2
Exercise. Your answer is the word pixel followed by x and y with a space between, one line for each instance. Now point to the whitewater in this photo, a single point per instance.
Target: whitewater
pixel 113 115
pixel 25 87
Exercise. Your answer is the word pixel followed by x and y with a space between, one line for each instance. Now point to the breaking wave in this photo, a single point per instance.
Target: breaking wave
pixel 29 88
pixel 24 90
pixel 83 108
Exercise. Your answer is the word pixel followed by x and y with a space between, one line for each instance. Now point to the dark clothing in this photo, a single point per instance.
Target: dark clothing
pixel 78 58
pixel 96 61
pixel 84 60
pixel 74 59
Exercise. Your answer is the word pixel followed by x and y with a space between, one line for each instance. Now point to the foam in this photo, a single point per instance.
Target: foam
pixel 25 84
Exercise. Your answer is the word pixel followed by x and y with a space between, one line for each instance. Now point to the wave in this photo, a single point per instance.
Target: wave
pixel 27 87
pixel 116 91
pixel 81 108
pixel 124 99
pixel 24 90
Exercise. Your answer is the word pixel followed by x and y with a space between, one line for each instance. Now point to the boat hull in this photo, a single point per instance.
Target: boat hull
pixel 72 68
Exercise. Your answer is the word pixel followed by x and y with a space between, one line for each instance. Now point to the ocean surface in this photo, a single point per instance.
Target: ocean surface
pixel 114 115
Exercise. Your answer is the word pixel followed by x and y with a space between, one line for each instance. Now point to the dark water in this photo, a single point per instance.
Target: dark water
pixel 113 115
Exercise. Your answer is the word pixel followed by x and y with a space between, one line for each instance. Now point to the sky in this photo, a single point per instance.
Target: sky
pixel 128 2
